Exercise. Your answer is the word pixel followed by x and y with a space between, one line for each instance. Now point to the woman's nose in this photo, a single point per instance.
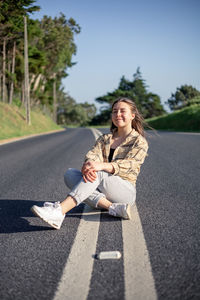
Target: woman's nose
pixel 118 113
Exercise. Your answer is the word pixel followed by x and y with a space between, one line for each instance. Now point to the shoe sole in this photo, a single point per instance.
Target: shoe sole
pixel 37 214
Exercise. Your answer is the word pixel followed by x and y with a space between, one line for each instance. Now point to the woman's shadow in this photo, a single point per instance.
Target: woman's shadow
pixel 14 216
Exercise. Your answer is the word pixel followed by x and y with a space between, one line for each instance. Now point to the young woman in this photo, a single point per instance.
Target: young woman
pixel 108 176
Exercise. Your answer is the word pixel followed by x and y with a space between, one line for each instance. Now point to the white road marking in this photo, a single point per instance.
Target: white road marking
pixel 16 139
pixel 139 281
pixel 96 133
pixel 188 133
pixel 75 281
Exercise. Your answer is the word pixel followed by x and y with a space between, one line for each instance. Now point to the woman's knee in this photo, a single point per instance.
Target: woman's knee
pixel 72 177
pixel 67 176
pixel 118 190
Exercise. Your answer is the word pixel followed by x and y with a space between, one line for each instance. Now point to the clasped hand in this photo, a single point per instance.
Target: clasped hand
pixel 89 170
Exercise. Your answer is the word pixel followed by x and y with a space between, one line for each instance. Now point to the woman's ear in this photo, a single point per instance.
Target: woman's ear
pixel 133 116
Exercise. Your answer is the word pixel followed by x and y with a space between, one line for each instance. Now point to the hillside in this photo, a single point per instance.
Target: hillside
pixel 13 122
pixel 186 119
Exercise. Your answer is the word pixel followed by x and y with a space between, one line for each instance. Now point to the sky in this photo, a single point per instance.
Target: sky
pixel 159 36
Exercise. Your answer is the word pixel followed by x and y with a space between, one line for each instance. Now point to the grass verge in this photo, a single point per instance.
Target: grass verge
pixel 13 122
pixel 186 119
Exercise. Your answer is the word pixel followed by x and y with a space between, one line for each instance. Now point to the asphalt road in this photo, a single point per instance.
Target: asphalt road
pixel 33 256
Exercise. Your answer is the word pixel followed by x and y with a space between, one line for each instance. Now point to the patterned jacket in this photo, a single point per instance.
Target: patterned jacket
pixel 127 158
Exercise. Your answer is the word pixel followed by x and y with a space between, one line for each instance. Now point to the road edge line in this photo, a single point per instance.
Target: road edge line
pixel 16 139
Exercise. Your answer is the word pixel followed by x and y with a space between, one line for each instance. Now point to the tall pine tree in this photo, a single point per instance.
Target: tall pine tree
pixel 148 103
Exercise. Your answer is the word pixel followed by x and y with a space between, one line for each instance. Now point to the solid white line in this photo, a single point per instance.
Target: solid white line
pixel 75 281
pixel 139 281
pixel 96 133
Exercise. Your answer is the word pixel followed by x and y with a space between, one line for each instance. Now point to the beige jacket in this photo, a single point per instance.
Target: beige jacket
pixel 127 158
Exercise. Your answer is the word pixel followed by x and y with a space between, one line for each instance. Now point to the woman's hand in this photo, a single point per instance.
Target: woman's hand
pixel 89 176
pixel 89 170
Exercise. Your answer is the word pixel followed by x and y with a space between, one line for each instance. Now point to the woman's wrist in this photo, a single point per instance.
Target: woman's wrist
pixel 97 166
pixel 107 167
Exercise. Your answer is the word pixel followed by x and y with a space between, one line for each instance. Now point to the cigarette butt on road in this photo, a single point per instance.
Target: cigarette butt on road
pixel 109 255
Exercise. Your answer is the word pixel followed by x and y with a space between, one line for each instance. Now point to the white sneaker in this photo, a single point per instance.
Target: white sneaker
pixel 50 213
pixel 120 210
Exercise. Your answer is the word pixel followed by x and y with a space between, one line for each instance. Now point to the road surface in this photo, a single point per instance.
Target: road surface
pixel 160 246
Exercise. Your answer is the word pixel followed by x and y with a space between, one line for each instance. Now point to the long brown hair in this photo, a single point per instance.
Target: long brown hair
pixel 138 122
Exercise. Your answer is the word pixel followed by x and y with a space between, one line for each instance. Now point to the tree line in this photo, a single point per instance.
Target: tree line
pixel 148 103
pixel 51 48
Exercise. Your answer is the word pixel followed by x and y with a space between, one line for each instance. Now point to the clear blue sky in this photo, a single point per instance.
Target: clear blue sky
pixel 162 37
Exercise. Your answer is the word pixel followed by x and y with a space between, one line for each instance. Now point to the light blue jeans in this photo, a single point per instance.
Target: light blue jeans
pixel 113 188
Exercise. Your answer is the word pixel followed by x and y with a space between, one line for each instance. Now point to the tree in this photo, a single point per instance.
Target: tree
pixel 148 103
pixel 11 26
pixel 183 97
pixel 58 42
pixel 26 75
pixel 51 48
pixel 103 118
pixel 73 113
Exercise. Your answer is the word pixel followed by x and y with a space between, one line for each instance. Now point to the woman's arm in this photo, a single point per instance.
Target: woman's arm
pixel 95 153
pixel 98 166
pixel 90 168
pixel 133 160
pixel 94 161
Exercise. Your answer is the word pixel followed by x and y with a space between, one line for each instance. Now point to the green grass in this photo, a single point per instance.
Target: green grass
pixel 13 122
pixel 186 119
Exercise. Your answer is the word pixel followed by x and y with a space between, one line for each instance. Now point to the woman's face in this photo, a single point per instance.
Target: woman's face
pixel 122 115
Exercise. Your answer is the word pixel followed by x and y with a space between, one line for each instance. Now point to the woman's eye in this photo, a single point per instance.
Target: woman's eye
pixel 121 111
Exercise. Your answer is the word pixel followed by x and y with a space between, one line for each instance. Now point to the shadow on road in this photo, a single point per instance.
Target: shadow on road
pixel 13 214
